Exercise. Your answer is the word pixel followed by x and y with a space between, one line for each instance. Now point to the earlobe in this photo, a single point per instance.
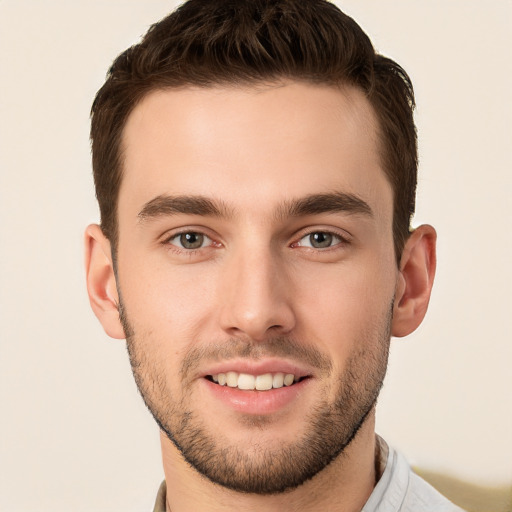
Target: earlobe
pixel 101 281
pixel 414 285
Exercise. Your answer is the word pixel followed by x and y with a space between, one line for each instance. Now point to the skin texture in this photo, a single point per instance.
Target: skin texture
pixel 250 174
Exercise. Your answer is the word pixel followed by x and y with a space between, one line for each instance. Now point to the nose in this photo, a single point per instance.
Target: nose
pixel 256 297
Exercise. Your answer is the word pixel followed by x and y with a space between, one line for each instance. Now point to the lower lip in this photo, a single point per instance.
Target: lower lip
pixel 257 402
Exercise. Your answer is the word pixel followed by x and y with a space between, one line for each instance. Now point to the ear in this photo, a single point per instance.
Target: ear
pixel 414 285
pixel 101 281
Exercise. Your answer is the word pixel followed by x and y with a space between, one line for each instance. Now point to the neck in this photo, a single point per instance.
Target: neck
pixel 343 486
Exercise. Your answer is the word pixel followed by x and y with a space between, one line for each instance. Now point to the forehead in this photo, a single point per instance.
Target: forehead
pixel 252 147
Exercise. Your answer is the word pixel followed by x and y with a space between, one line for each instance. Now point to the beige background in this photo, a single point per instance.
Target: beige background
pixel 74 434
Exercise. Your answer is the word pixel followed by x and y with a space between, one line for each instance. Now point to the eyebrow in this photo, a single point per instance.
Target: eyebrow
pixel 313 204
pixel 333 202
pixel 165 205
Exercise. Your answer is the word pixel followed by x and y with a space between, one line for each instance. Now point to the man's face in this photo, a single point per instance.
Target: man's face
pixel 255 247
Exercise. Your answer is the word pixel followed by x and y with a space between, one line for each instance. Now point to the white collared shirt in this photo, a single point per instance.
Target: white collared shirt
pixel 399 489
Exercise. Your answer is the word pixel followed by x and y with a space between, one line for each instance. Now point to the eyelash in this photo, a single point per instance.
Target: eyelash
pixel 183 250
pixel 339 240
pixel 342 240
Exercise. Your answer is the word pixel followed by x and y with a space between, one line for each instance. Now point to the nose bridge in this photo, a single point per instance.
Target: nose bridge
pixel 256 299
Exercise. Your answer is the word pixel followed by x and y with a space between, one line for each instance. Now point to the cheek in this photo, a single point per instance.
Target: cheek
pixel 168 303
pixel 345 306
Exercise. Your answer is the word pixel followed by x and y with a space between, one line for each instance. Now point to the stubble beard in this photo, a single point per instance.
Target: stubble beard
pixel 255 468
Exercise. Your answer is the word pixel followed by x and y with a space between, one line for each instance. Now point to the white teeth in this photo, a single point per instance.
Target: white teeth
pixel 263 382
pixel 288 379
pixel 278 380
pixel 232 379
pixel 246 381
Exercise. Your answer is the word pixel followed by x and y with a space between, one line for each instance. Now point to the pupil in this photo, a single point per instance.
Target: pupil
pixel 191 240
pixel 320 240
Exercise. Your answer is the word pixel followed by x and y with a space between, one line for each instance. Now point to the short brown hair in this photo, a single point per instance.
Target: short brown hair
pixel 216 42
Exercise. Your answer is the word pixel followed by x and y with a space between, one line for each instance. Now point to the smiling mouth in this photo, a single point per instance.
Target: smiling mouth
pixel 247 382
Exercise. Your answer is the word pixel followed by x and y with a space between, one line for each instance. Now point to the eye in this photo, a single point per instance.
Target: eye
pixel 190 240
pixel 320 240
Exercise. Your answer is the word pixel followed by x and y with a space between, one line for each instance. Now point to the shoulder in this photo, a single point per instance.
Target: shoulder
pixel 421 496
pixel 399 489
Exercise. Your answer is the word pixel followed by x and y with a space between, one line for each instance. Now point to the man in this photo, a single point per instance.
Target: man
pixel 255 164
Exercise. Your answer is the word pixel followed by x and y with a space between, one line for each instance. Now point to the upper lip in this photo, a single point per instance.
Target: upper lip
pixel 259 367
